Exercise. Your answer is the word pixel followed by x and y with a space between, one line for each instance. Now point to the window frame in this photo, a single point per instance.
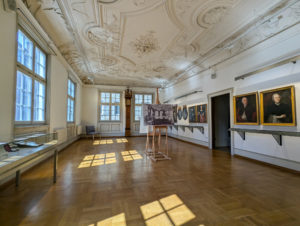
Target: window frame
pixel 72 98
pixel 134 104
pixel 110 104
pixel 34 77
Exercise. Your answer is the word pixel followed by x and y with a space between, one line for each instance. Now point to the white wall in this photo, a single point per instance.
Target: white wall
pixel 89 105
pixel 261 147
pixel 90 111
pixel 58 102
pixel 7 74
pixel 58 73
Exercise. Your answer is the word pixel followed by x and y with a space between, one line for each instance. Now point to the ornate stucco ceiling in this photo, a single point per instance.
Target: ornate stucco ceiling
pixel 140 42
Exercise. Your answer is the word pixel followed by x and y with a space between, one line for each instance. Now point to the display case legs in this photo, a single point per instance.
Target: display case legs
pixel 18 178
pixel 55 166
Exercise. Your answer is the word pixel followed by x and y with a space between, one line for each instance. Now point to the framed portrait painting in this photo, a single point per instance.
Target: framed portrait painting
pixel 192 114
pixel 175 113
pixel 179 113
pixel 201 113
pixel 185 112
pixel 278 107
pixel 246 109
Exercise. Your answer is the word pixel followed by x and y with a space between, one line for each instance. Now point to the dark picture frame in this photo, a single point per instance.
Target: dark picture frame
pixel 175 113
pixel 201 113
pixel 179 113
pixel 158 114
pixel 185 113
pixel 192 114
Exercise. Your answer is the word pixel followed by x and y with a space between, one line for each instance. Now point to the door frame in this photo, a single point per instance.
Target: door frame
pixel 210 135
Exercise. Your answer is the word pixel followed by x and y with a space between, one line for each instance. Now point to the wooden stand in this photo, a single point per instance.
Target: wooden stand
pixel 153 153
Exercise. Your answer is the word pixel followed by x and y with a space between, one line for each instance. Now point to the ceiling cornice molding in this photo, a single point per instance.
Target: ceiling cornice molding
pixel 67 14
pixel 172 15
pixel 115 87
pixel 271 13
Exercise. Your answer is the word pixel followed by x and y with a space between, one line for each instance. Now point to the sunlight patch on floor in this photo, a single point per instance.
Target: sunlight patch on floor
pixel 98 160
pixel 121 140
pixel 101 142
pixel 118 220
pixel 131 155
pixel 167 211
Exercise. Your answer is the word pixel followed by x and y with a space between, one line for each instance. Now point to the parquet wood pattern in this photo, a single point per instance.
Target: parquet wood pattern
pixel 196 187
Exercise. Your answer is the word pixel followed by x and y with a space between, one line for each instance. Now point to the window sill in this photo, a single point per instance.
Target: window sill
pixel 26 129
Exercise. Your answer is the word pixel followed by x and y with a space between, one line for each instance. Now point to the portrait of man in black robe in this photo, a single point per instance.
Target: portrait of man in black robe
pixel 246 109
pixel 278 112
pixel 246 112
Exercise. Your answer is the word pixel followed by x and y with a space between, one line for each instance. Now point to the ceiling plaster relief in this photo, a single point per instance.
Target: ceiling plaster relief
pixel 259 32
pixel 145 44
pixel 94 49
pixel 91 34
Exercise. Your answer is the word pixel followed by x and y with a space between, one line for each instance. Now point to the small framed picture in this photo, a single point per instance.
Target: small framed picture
pixel 179 113
pixel 175 113
pixel 278 107
pixel 192 114
pixel 246 109
pixel 201 113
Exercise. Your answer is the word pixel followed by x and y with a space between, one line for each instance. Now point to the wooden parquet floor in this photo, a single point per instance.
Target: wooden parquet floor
pixel 113 183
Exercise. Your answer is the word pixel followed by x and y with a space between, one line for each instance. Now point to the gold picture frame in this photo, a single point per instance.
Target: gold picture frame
pixel 252 110
pixel 269 107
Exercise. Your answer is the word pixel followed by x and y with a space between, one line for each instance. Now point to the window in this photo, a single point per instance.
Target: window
pixel 139 100
pixel 30 81
pixel 71 101
pixel 110 106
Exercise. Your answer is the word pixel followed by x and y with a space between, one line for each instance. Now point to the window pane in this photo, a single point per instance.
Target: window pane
pixel 23 97
pixel 39 102
pixel 137 112
pixel 40 63
pixel 115 112
pixel 115 98
pixel 104 114
pixel 71 88
pixel 25 50
pixel 105 97
pixel 71 106
pixel 138 98
pixel 148 99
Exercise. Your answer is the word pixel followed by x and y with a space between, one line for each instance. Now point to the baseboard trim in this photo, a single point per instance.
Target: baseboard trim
pixel 270 160
pixel 189 140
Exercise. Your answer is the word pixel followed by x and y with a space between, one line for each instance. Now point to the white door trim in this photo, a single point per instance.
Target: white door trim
pixel 209 97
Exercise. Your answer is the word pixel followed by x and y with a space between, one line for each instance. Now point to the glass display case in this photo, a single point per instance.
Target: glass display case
pixel 25 142
pixel 24 151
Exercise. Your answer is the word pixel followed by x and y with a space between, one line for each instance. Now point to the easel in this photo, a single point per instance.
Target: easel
pixel 153 153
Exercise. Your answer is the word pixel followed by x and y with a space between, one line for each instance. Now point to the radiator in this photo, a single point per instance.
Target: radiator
pixel 79 130
pixel 71 131
pixel 62 135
